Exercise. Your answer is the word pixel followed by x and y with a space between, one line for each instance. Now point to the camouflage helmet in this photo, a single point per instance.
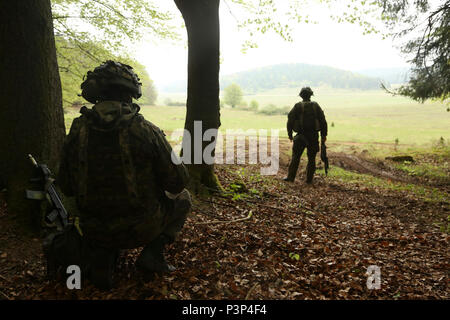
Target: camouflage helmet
pixel 306 91
pixel 108 76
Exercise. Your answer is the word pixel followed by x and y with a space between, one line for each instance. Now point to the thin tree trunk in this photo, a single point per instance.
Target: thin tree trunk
pixel 202 23
pixel 31 114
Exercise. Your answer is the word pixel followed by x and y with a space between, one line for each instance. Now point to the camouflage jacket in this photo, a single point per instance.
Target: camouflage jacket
pixel 117 165
pixel 305 117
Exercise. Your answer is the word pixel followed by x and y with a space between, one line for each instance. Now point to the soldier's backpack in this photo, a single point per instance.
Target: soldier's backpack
pixel 307 119
pixel 112 174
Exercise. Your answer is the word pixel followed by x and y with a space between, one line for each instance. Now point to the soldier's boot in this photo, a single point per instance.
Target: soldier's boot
pixel 152 258
pixel 52 265
pixel 102 266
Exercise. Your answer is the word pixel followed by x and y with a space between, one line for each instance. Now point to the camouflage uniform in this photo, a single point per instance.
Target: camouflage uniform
pixel 312 120
pixel 118 166
pixel 119 169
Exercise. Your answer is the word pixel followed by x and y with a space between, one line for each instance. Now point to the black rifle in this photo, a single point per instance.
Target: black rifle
pixel 58 215
pixel 324 157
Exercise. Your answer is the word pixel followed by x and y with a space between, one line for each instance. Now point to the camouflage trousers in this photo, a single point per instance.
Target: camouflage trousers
pixel 136 231
pixel 97 249
pixel 310 141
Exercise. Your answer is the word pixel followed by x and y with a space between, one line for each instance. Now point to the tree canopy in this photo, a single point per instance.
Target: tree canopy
pixel 423 28
pixel 426 30
pixel 90 32
pixel 420 27
pixel 74 63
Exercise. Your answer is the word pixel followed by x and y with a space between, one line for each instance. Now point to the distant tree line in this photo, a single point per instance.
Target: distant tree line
pixel 233 97
pixel 168 102
pixel 296 75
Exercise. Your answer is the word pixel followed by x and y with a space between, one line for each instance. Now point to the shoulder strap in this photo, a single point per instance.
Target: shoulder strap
pixel 82 162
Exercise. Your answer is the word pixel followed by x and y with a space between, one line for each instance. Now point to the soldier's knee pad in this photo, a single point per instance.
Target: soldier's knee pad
pixel 183 203
pixel 177 215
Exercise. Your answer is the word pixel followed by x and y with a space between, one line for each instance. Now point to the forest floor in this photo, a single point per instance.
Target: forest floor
pixel 269 239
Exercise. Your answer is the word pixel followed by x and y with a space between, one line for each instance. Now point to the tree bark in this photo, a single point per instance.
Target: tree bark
pixel 202 23
pixel 31 114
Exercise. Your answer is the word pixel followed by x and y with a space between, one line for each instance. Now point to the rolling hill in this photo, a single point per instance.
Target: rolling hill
pixel 292 75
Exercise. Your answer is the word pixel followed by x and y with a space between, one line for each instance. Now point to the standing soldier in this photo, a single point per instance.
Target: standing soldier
pixel 118 167
pixel 307 119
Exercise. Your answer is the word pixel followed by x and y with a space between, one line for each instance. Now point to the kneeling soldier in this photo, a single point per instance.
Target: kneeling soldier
pixel 118 167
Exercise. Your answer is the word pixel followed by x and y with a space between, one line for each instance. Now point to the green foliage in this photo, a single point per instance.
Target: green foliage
pixel 254 105
pixel 90 32
pixel 283 16
pixel 427 45
pixel 272 109
pixel 425 170
pixel 238 187
pixel 423 192
pixel 149 93
pixel 168 102
pixel 294 256
pixel 425 25
pixel 74 63
pixel 232 95
pixel 115 22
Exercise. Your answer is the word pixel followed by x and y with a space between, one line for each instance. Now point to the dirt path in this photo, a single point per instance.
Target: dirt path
pixel 361 165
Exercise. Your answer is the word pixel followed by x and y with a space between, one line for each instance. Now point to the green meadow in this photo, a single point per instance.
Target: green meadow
pixel 353 116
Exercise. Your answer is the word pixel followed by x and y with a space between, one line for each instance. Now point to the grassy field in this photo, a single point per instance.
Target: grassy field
pixel 419 191
pixel 353 116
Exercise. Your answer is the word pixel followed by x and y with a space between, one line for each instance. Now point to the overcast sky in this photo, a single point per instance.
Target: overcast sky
pixel 339 45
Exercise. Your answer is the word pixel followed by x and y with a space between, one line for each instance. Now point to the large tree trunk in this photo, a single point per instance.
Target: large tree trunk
pixel 202 23
pixel 31 114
